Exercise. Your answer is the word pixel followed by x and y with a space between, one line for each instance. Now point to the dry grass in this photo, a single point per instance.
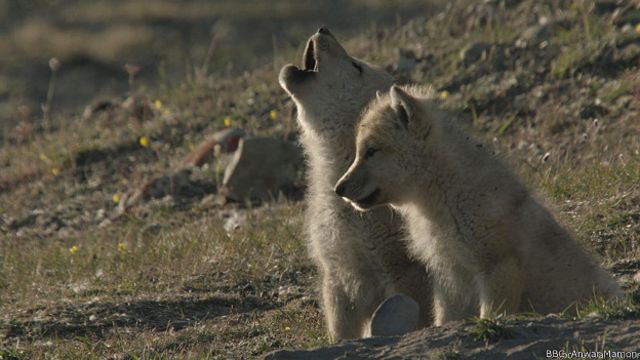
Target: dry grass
pixel 182 285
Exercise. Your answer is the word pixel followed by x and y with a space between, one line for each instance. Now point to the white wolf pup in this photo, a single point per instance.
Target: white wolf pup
pixel 362 258
pixel 491 247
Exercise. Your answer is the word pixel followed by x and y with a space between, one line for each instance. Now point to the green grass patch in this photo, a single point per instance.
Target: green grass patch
pixel 599 308
pixel 489 329
pixel 581 44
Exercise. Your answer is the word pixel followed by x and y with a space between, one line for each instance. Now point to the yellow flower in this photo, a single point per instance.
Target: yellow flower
pixel 157 104
pixel 273 114
pixel 122 247
pixel 286 328
pixel 55 171
pixel 116 198
pixel 73 249
pixel 444 94
pixel 227 121
pixel 638 28
pixel 144 141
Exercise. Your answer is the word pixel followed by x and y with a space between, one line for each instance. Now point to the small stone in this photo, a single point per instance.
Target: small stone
pixel 627 28
pixel 592 315
pixel 395 316
pixel 104 223
pixel 78 288
pixel 261 168
pixel 234 221
pixel 101 214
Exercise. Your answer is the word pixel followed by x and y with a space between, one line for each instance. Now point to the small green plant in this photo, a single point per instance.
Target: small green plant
pixel 615 89
pixel 454 352
pixel 489 329
pixel 619 309
pixel 13 354
pixel 611 309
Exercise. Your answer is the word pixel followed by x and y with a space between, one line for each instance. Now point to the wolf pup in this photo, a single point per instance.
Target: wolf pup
pixel 363 259
pixel 491 247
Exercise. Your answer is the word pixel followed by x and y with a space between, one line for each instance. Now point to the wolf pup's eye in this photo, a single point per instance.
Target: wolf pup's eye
pixel 370 152
pixel 357 66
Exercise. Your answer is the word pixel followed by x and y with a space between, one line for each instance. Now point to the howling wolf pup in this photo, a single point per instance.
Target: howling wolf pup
pixel 362 258
pixel 491 247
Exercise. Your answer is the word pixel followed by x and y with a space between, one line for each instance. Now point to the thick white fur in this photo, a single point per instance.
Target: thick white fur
pixel 491 246
pixel 363 258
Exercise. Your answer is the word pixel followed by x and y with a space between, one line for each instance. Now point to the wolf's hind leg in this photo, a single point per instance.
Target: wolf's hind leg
pixel 501 289
pixel 448 305
pixel 349 307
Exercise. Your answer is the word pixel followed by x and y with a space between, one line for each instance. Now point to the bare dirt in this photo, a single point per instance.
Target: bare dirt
pixel 525 339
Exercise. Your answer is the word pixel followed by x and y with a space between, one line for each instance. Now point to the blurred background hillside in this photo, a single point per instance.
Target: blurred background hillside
pixel 167 39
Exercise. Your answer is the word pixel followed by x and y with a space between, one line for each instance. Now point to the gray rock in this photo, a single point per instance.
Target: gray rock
pixel 261 168
pixel 395 316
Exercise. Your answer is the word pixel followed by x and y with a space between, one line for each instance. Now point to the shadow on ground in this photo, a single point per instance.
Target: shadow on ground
pixel 93 319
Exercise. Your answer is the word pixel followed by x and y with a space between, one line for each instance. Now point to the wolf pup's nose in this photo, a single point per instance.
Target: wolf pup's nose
pixel 339 189
pixel 323 30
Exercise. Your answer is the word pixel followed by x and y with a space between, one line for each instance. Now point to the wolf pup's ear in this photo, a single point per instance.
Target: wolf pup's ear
pixel 378 95
pixel 402 105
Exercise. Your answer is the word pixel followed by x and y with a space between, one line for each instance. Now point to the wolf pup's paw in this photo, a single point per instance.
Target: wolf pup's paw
pixel 397 315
